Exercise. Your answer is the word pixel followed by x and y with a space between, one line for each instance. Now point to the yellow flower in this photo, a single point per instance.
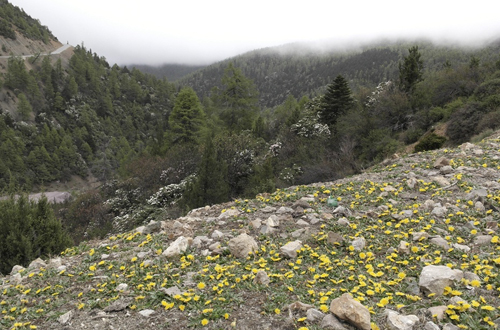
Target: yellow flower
pixel 204 322
pixel 201 285
pixel 277 311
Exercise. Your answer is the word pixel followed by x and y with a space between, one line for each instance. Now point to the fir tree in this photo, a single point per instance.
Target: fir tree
pixel 410 70
pixel 336 101
pixel 186 119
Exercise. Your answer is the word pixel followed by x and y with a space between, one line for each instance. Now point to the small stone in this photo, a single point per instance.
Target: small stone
pixel 272 221
pixel 358 243
pixel 302 223
pixel 476 193
pixel 343 222
pixel 433 279
pixel 17 269
pixel 351 311
pixel 439 212
pixel 461 247
pixel 301 203
pixel 242 245
pixel 37 263
pixel 142 255
pixel 404 247
pixel 411 183
pixel 341 210
pixel 266 230
pixel 439 241
pixel 396 321
pixel 290 249
pixel 178 247
pixel 431 326
pixel 479 207
pixel 214 246
pixel 298 305
pixel 334 238
pixel 65 318
pixel 231 213
pixel 420 236
pixel 449 326
pixel 441 180
pixel 172 291
pixel 55 262
pixel 284 210
pixel 470 276
pixel 298 232
pixel 440 162
pixel 438 311
pixel 269 209
pixel 314 315
pixel 118 305
pixel 482 240
pixel 152 227
pixel 261 278
pixel 217 234
pixel 446 169
pixel 121 287
pixel 332 323
pixel 147 312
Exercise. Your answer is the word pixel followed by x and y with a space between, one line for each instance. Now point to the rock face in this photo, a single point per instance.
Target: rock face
pixel 352 311
pixel 242 245
pixel 434 279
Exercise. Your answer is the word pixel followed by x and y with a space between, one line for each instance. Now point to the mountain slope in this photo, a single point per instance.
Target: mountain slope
pixel 299 69
pixel 172 72
pixel 438 208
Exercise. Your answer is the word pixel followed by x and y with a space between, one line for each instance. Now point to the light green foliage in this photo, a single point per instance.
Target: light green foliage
pixel 187 118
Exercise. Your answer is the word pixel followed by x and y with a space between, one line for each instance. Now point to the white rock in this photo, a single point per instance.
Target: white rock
pixel 242 245
pixel 302 223
pixel 121 287
pixel 272 221
pixel 290 249
pixel 37 263
pixel 147 312
pixel 433 279
pixel 261 278
pixel 284 210
pixel 431 326
pixel 396 321
pixel 217 234
pixel 358 243
pixel 404 247
pixel 314 315
pixel 65 318
pixel 229 214
pixel 460 247
pixel 16 269
pixel 178 247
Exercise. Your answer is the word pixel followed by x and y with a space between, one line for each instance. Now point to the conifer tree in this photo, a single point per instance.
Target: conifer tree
pixel 238 98
pixel 410 70
pixel 186 119
pixel 210 185
pixel 336 101
pixel 24 107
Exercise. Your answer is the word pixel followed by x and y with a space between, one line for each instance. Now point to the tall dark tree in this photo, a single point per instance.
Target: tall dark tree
pixel 210 185
pixel 336 101
pixel 186 119
pixel 410 70
pixel 238 98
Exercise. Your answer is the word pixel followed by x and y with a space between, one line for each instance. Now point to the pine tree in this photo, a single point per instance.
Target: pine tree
pixel 210 186
pixel 410 70
pixel 238 98
pixel 24 107
pixel 186 119
pixel 336 101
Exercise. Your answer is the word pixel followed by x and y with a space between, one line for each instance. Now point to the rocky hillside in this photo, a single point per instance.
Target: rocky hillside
pixel 410 244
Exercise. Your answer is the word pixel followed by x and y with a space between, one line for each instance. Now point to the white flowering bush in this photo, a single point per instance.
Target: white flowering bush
pixel 379 90
pixel 169 195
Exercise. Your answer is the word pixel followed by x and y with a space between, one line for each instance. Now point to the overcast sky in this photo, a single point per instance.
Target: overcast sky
pixel 205 31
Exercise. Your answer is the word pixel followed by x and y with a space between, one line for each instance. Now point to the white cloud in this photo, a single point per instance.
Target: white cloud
pixel 196 31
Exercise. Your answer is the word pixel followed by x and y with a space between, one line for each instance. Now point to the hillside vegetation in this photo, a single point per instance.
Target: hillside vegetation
pixel 155 150
pixel 282 260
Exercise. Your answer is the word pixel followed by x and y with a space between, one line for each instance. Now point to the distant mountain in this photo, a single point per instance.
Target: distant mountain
pixel 302 69
pixel 172 72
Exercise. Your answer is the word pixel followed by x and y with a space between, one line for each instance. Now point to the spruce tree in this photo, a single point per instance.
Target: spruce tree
pixel 186 119
pixel 210 186
pixel 410 70
pixel 336 101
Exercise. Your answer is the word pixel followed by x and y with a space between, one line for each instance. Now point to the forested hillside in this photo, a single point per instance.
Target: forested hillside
pixel 304 70
pixel 172 72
